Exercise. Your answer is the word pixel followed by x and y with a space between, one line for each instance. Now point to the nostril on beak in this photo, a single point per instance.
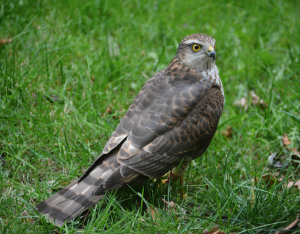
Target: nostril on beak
pixel 210 49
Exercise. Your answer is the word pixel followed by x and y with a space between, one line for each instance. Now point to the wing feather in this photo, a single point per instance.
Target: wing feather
pixel 189 137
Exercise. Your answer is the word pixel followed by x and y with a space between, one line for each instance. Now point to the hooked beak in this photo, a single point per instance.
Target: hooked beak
pixel 211 53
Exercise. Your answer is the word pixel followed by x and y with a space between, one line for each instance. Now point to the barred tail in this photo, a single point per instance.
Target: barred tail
pixel 105 174
pixel 73 199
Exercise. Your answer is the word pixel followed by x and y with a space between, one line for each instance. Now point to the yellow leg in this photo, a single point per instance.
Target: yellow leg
pixel 182 194
pixel 178 174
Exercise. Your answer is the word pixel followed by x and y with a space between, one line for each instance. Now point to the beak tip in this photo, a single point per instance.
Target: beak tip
pixel 212 54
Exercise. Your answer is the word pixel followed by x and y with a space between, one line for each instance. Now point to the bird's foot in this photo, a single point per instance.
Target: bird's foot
pixel 170 175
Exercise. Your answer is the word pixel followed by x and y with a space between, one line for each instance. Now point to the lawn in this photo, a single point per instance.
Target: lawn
pixel 73 68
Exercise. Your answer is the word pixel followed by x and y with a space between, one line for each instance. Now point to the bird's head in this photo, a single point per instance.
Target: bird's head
pixel 198 51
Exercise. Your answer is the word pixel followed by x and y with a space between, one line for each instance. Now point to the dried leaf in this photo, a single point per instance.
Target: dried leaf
pixel 25 213
pixel 292 184
pixel 214 230
pixel 274 162
pixel 277 161
pixel 5 41
pixel 255 101
pixel 295 151
pixel 295 156
pixel 108 110
pixel 172 206
pixel 227 132
pixel 285 140
pixel 242 103
pixel 297 184
pixel 269 179
pixel 292 226
pixel 152 211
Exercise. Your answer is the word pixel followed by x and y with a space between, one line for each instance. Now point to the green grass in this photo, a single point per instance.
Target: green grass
pixel 72 71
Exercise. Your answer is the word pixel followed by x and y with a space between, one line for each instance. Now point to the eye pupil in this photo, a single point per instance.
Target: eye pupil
pixel 196 47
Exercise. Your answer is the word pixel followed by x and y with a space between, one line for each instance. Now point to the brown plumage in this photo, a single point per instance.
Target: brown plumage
pixel 173 118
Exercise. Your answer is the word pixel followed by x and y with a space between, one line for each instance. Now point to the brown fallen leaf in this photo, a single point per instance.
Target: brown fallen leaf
pixel 255 101
pixel 295 156
pixel 292 226
pixel 152 211
pixel 295 151
pixel 5 41
pixel 172 206
pixel 227 132
pixel 108 110
pixel 276 160
pixel 269 179
pixel 292 184
pixel 25 213
pixel 243 102
pixel 214 230
pixel 285 140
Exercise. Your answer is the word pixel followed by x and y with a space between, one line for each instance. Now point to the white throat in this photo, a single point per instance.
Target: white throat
pixel 212 76
pixel 200 63
pixel 206 68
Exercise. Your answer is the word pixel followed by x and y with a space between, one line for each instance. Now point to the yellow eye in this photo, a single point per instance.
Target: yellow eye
pixel 196 47
pixel 215 46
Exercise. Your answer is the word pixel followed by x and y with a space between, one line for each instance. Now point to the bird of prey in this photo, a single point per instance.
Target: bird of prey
pixel 171 121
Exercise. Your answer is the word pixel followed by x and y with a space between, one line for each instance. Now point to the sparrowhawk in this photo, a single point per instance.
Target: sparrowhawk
pixel 171 121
